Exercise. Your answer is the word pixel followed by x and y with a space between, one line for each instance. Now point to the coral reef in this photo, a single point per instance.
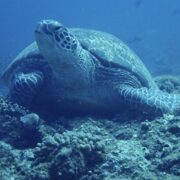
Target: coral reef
pixel 12 128
pixel 167 83
pixel 87 148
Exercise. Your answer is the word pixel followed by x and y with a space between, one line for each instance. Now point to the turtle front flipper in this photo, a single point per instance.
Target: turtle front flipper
pixel 25 86
pixel 150 100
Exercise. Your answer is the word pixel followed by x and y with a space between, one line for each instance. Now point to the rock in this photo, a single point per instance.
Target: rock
pixel 30 121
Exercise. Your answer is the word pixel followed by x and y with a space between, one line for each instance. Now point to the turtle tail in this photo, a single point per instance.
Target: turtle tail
pixel 151 100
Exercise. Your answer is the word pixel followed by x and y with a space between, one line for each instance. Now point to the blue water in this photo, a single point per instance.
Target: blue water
pixel 150 27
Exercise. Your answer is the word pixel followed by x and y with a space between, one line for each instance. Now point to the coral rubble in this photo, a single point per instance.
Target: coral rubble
pixel 87 148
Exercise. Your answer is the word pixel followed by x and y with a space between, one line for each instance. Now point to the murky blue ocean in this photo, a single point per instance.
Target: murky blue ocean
pixel 150 27
pixel 40 145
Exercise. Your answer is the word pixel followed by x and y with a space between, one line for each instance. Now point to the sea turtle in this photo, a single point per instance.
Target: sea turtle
pixel 82 70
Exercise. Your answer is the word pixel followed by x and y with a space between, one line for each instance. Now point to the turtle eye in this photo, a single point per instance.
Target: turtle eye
pixel 46 30
pixel 57 28
pixel 54 27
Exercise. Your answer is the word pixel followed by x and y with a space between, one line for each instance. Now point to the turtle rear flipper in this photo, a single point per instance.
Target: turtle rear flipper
pixel 150 100
pixel 25 86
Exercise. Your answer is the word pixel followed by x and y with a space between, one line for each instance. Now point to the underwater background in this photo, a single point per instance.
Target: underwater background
pixel 127 146
pixel 150 27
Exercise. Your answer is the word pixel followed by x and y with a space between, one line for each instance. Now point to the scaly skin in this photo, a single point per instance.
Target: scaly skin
pixel 25 86
pixel 151 100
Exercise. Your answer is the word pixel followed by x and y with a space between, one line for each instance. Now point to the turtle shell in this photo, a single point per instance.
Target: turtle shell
pixel 113 52
pixel 105 47
pixel 31 50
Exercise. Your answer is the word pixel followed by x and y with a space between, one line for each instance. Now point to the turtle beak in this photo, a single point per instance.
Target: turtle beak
pixel 47 27
pixel 39 28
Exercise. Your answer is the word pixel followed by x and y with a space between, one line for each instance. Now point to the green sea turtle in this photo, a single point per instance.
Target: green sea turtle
pixel 81 70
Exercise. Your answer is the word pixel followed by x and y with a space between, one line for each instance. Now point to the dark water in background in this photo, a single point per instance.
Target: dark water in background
pixel 150 27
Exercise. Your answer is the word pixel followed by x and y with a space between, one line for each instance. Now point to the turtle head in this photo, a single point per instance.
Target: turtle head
pixel 53 36
pixel 56 43
pixel 62 50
